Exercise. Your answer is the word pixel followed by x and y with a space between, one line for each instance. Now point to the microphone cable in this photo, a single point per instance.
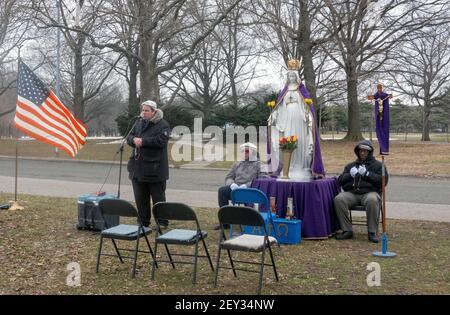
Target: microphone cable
pixel 117 152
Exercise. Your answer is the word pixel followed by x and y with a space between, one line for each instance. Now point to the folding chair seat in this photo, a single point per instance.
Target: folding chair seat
pixel 245 242
pixel 124 232
pixel 363 221
pixel 185 237
pixel 251 196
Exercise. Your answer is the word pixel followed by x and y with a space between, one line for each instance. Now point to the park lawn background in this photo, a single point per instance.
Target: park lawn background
pixel 37 244
pixel 407 158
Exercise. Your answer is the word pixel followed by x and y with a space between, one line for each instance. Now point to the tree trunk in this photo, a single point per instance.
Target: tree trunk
pixel 149 84
pixel 133 99
pixel 426 123
pixel 234 95
pixel 148 54
pixel 305 47
pixel 306 50
pixel 78 93
pixel 354 124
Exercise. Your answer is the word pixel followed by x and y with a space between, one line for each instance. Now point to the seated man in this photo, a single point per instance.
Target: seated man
pixel 361 182
pixel 241 175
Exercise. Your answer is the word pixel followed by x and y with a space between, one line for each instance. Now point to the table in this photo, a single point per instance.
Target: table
pixel 313 203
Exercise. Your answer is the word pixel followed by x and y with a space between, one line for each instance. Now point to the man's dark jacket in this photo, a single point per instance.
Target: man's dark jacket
pixel 367 183
pixel 150 162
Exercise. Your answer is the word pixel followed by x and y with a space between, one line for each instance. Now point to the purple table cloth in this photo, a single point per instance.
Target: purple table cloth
pixel 313 203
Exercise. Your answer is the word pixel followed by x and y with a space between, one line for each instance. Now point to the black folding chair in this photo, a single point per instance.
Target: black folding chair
pixel 173 211
pixel 245 242
pixel 123 232
pixel 363 221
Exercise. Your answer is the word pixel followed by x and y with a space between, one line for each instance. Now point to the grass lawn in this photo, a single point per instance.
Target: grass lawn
pixel 406 158
pixel 426 159
pixel 37 243
pixel 97 150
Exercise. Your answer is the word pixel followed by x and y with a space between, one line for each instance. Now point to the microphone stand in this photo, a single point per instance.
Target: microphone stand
pixel 120 149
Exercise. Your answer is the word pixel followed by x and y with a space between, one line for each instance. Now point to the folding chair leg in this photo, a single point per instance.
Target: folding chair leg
pixel 194 278
pixel 99 254
pixel 228 251
pixel 274 234
pixel 117 250
pixel 261 271
pixel 273 262
pixel 217 267
pixel 170 256
pixel 231 262
pixel 154 262
pixel 207 254
pixel 135 257
pixel 150 249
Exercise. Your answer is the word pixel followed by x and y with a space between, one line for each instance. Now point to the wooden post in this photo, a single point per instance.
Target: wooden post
pixel 383 193
pixel 15 204
pixel 16 174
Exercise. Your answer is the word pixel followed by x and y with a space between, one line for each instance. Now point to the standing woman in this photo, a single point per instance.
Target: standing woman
pixel 148 166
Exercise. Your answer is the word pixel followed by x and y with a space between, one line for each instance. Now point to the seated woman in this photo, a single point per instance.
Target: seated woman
pixel 294 116
pixel 241 175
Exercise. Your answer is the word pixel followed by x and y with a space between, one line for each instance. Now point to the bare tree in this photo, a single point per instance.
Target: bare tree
pixel 14 29
pixel 296 30
pixel 119 19
pixel 82 15
pixel 158 23
pixel 372 31
pixel 204 86
pixel 224 65
pixel 422 70
pixel 240 49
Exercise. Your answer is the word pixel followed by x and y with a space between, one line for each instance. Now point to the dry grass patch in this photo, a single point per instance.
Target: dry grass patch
pixel 407 158
pixel 37 243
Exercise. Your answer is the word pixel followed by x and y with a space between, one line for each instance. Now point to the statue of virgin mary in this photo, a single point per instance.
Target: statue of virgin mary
pixel 293 115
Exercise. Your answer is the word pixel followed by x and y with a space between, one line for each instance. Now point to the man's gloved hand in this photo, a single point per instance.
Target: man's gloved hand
pixel 234 186
pixel 353 171
pixel 362 170
pixel 243 186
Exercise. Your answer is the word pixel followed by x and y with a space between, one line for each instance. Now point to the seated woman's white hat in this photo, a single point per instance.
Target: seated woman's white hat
pixel 248 145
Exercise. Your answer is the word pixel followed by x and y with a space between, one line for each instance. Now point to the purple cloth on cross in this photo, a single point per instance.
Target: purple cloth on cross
pixel 312 201
pixel 382 122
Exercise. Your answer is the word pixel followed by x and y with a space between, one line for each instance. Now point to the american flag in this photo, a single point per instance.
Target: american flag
pixel 41 115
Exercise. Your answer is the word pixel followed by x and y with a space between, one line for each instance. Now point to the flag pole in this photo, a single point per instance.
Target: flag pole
pixel 15 204
pixel 58 60
pixel 16 169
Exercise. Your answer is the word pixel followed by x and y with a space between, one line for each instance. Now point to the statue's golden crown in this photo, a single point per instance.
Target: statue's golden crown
pixel 293 64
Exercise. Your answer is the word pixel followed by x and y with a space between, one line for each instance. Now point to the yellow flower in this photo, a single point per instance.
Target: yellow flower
pixel 271 104
pixel 308 101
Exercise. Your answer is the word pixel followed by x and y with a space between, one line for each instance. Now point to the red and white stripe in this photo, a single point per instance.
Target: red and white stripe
pixel 51 123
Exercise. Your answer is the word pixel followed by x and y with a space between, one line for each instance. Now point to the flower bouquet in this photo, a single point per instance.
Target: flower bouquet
pixel 288 143
pixel 287 146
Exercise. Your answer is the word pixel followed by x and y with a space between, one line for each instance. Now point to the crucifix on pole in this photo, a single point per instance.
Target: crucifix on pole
pixel 382 130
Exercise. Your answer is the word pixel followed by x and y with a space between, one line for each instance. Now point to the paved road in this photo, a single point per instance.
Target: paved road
pixel 408 197
pixel 400 189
